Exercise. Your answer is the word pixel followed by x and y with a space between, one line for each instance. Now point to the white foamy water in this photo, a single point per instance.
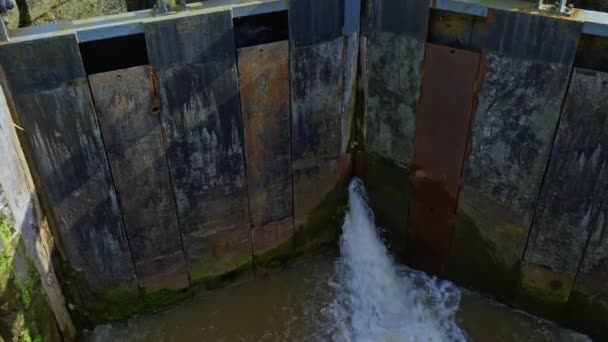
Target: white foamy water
pixel 377 300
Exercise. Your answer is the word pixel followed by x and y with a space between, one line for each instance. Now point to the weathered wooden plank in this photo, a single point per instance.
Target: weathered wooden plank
pixel 273 243
pixel 265 98
pixel 349 96
pixel 197 38
pixel 511 136
pixel 55 107
pixel 264 84
pixel 392 52
pixel 574 185
pixel 317 136
pixel 442 130
pixel 315 21
pixel 316 84
pixel 401 17
pixel 124 101
pixel 394 76
pixel 202 123
pixel 547 39
pixel 22 205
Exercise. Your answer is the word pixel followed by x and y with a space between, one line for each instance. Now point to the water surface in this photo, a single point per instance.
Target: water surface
pixel 356 293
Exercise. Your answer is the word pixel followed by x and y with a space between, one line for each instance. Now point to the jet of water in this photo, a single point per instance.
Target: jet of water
pixel 377 300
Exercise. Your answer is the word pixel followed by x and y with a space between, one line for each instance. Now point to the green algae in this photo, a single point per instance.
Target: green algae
pixel 323 224
pixel 475 262
pixel 275 257
pixel 25 307
pixel 588 313
pixel 222 274
pixel 389 196
pixel 6 232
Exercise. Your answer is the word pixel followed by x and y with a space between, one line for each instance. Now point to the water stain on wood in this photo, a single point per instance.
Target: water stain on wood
pixel 135 149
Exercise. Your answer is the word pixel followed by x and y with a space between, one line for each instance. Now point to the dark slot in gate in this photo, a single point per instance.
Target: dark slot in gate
pixel 261 29
pixel 442 129
pixel 114 53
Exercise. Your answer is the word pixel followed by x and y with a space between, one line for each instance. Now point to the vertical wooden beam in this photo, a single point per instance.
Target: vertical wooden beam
pixel 73 176
pixel 573 190
pixel 396 52
pixel 194 56
pixel 264 86
pixel 124 101
pixel 528 59
pixel 394 42
pixel 317 50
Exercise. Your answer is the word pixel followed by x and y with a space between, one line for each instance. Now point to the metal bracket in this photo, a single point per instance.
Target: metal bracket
pixel 560 7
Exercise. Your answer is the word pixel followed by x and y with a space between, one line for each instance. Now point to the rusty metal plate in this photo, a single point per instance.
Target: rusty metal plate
pixel 442 124
pixel 265 97
pixel 125 104
pixel 428 248
pixel 442 129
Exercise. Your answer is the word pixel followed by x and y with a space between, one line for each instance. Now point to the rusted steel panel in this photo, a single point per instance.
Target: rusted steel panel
pixel 264 84
pixel 316 85
pixel 442 124
pixel 575 182
pixel 511 136
pixel 319 187
pixel 442 130
pixel 315 21
pixel 194 57
pixel 393 87
pixel 55 108
pixel 429 236
pixel 401 17
pixel 125 103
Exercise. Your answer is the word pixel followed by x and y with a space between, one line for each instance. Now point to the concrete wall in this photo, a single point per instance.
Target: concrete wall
pixel 198 165
pixel 525 193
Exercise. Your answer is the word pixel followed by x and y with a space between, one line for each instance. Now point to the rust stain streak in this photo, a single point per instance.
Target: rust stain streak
pixel 156 102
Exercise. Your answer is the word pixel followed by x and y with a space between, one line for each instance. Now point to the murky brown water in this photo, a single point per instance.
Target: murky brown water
pixel 355 294
pixel 287 305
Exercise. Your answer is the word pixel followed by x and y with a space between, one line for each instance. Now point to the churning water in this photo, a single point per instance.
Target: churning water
pixel 376 300
pixel 355 294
